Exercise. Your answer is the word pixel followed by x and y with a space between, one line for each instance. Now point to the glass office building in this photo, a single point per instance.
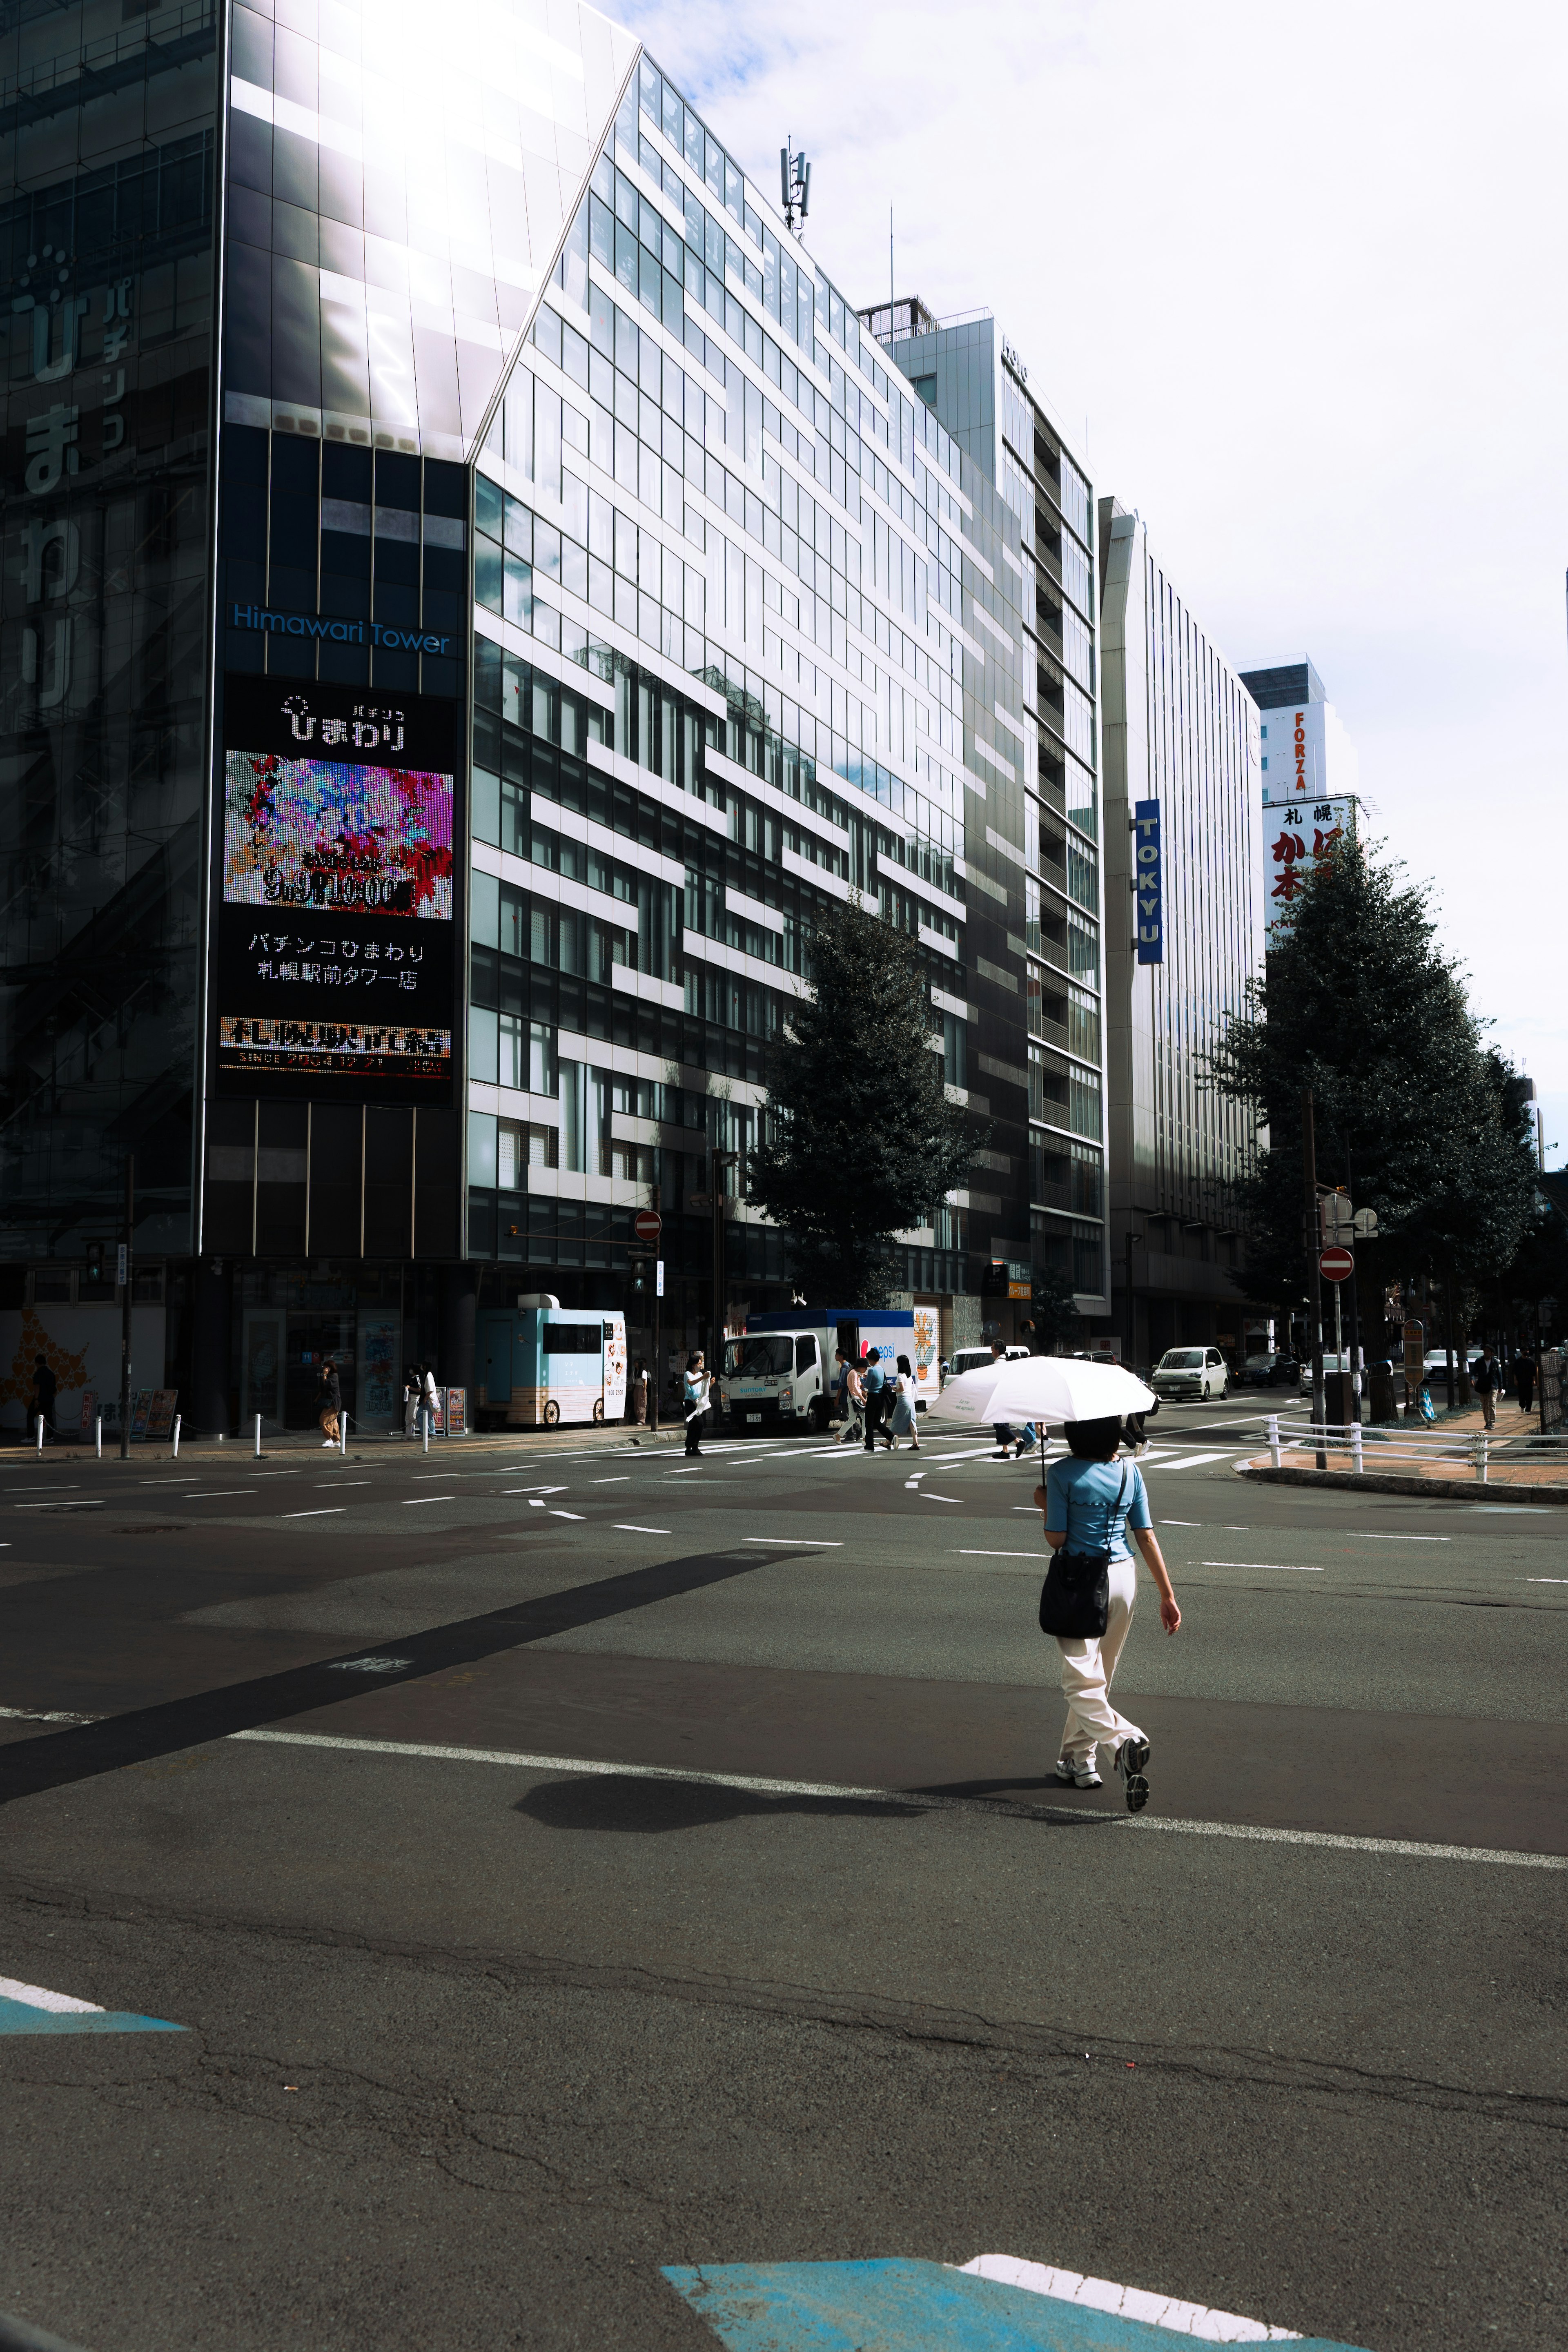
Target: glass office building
pixel 1183 823
pixel 1046 784
pixel 473 594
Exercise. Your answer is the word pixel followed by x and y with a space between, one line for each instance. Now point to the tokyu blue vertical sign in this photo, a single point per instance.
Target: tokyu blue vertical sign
pixel 1148 882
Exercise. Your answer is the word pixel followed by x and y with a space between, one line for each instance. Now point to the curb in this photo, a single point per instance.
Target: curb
pixel 1386 1481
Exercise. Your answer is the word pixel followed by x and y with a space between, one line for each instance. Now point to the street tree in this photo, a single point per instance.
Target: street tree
pixel 862 1142
pixel 1413 1112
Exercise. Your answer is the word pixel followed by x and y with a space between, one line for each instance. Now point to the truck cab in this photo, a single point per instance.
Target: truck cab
pixel 775 1379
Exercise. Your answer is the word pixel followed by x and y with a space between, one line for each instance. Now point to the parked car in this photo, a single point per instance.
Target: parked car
pixel 1268 1371
pixel 1342 1362
pixel 1190 1373
pixel 974 1359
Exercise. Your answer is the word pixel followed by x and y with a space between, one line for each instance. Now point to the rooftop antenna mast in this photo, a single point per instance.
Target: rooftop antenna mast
pixel 795 188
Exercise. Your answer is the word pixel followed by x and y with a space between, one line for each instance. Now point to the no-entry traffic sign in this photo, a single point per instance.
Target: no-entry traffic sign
pixel 1337 1265
pixel 647 1225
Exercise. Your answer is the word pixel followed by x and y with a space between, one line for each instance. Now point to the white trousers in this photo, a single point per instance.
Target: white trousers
pixel 1087 1669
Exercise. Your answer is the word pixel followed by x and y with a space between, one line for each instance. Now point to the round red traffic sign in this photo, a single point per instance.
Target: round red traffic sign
pixel 647 1225
pixel 1336 1264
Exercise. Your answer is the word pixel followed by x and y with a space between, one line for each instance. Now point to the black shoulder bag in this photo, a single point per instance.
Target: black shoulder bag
pixel 1075 1599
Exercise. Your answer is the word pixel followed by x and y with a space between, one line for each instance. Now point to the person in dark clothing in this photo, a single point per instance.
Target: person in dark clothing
pixel 874 1381
pixel 695 1388
pixel 1524 1379
pixel 43 1391
pixel 1486 1378
pixel 329 1404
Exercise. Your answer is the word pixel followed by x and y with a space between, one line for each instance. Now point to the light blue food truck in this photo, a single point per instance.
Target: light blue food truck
pixel 541 1364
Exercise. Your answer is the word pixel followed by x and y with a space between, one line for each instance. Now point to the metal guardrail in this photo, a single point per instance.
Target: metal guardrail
pixel 1475 1450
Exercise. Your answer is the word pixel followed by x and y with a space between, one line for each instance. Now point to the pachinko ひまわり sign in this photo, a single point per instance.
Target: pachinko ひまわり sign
pixel 336 928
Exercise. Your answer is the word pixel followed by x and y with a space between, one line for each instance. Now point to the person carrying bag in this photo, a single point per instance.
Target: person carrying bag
pixel 695 1400
pixel 1088 1501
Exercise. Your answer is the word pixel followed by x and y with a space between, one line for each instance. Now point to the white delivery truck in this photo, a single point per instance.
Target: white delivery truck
pixel 783 1374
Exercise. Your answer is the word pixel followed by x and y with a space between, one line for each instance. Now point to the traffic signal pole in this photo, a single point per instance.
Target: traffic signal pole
pixel 1311 1236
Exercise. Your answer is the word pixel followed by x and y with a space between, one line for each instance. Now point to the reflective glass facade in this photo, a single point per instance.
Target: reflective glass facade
pixel 1050 806
pixel 441 424
pixel 1181 729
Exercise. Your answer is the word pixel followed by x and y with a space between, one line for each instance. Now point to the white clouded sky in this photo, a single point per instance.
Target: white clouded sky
pixel 1302 272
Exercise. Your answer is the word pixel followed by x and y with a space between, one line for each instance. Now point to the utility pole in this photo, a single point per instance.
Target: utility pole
pixel 656 1368
pixel 1311 1236
pixel 125 1311
pixel 722 1161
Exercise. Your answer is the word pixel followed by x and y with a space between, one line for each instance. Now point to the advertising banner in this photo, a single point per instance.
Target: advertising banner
pixel 1148 881
pixel 1297 837
pixel 335 965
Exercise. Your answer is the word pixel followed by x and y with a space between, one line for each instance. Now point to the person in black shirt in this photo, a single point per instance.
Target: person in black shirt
pixel 43 1391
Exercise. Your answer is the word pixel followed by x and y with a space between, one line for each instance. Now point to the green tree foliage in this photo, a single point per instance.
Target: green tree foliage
pixel 1055 1319
pixel 1421 1121
pixel 863 1142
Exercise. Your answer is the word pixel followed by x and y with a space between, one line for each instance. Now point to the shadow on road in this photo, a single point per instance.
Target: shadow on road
pixel 605 1801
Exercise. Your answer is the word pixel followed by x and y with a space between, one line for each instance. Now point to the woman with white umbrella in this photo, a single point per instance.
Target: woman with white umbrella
pixel 1088 1501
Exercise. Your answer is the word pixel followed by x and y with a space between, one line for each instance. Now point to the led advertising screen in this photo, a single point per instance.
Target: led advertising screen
pixel 336 969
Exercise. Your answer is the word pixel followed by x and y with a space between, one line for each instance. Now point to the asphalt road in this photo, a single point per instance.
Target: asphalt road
pixel 565 1862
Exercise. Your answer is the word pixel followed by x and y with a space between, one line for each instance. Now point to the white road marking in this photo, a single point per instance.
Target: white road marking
pixel 30 1489
pixel 333 1511
pixel 824 1543
pixel 620 1480
pixel 35 1997
pixel 1192 1461
pixel 411 1502
pixel 557 1512
pixel 925 1495
pixel 1111 1824
pixel 1294 1566
pixel 1515 1510
pixel 533 1490
pixel 1544 1579
pixel 625 1527
pixel 218 1494
pixel 1127 2302
pixel 59 1506
pixel 170 1482
pixel 37 1714
pixel 1371 1538
pixel 969 1551
pixel 1183 1523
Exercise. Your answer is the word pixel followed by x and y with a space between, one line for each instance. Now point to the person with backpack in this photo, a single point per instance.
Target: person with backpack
pixel 1089 1500
pixel 852 1390
pixel 873 1380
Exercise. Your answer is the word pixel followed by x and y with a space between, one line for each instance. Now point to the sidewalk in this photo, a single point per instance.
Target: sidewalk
pixel 1519 1457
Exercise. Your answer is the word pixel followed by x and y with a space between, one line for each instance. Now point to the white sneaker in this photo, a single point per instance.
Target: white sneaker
pixel 330 1444
pixel 1077 1776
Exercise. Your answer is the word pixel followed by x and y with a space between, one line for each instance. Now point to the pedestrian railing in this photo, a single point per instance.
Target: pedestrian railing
pixel 1431 1452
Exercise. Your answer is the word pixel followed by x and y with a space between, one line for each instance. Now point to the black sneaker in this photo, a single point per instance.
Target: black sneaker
pixel 1132 1763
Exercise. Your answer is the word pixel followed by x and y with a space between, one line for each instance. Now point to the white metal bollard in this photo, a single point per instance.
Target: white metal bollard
pixel 176 1437
pixel 1481 1457
pixel 259 1437
pixel 1274 1439
pixel 425 1425
pixel 98 1435
pixel 1357 1464
pixel 343 1432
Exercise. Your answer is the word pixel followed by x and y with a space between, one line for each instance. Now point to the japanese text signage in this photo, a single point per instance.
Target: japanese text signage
pixel 336 937
pixel 1297 837
pixel 1148 882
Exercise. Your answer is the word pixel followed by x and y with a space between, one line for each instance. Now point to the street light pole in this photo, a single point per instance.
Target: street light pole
pixel 125 1312
pixel 1310 1231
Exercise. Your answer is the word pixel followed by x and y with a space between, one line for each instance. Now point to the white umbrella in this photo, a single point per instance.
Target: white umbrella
pixel 1040 1388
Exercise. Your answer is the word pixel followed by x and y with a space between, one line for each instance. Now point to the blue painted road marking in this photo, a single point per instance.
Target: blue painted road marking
pixel 913 2306
pixel 33 2009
